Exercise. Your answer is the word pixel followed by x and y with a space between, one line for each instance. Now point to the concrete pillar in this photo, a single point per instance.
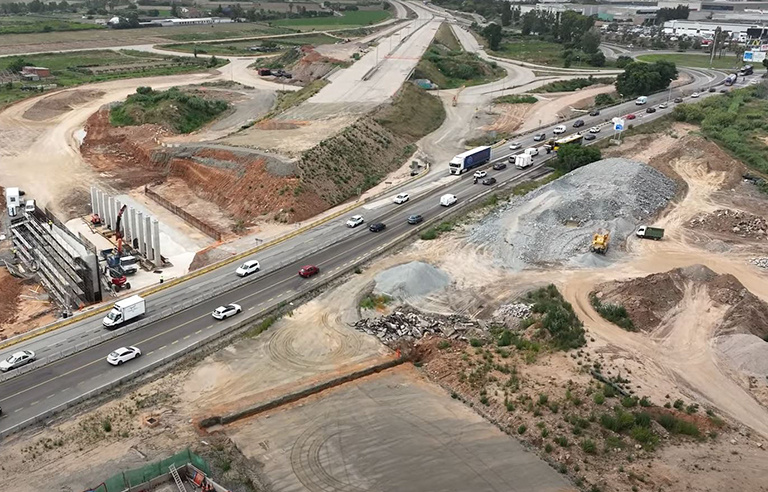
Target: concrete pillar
pixel 131 223
pixel 111 213
pixel 118 204
pixel 148 238
pixel 140 233
pixel 103 206
pixel 94 201
pixel 156 242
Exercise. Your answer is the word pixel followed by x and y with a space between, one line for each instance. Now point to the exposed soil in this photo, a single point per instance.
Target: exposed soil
pixel 312 66
pixel 510 117
pixel 60 103
pixel 24 306
pixel 729 223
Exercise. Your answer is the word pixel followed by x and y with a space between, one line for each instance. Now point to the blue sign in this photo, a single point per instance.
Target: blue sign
pixel 618 127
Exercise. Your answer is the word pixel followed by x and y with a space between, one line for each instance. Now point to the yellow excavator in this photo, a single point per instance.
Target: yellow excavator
pixel 600 242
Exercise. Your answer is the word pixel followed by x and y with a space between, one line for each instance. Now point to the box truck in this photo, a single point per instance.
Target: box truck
pixel 124 311
pixel 523 160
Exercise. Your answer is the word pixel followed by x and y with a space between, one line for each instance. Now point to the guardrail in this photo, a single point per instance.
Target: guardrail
pixel 245 323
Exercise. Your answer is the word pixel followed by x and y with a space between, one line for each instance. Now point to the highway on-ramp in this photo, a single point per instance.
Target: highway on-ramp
pixel 331 246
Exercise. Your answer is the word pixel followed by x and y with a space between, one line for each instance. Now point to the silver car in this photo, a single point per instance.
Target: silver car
pixel 17 360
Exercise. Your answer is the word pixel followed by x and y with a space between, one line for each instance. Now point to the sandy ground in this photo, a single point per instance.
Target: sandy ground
pixel 23 306
pixel 383 433
pixel 554 106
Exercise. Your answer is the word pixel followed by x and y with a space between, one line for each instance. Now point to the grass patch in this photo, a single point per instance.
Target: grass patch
pixel 436 231
pixel 527 187
pixel 694 60
pixel 532 50
pixel 242 48
pixel 414 114
pixel 516 99
pixel 172 109
pixel 446 65
pixel 563 328
pixel 290 99
pixel 350 18
pixel 48 25
pixel 375 302
pixel 256 30
pixel 614 313
pixel 678 426
pixel 574 84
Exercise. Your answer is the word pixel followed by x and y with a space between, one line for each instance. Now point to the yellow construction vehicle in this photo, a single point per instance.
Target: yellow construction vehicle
pixel 600 242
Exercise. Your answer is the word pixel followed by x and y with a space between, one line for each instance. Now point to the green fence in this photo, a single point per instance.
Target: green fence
pixel 132 478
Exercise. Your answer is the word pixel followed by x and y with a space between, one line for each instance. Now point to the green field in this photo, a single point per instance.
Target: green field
pixel 241 48
pixel 349 19
pixel 257 30
pixel 69 69
pixel 696 61
pixel 531 51
pixel 16 25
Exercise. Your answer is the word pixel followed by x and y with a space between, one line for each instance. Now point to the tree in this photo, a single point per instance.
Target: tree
pixel 213 61
pixel 622 61
pixel 506 14
pixel 492 34
pixel 570 157
pixel 643 78
pixel 17 64
pixel 603 100
pixel 597 59
pixel 666 14
pixel 684 43
pixel 765 62
pixel 590 41
pixel 174 10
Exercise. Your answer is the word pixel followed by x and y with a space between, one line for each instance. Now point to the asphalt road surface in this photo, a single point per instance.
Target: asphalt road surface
pixel 29 395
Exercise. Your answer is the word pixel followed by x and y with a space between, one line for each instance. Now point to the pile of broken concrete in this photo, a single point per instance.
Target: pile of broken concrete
pixel 407 324
pixel 742 224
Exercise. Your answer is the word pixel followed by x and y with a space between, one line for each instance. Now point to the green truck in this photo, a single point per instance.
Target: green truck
pixel 650 232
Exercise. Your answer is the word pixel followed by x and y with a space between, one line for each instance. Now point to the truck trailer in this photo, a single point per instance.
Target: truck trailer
pixel 470 159
pixel 523 160
pixel 124 311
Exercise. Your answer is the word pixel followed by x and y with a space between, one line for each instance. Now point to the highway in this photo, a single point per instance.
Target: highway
pixel 34 393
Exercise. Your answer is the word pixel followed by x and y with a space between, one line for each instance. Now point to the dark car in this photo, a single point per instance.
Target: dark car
pixel 578 123
pixel 489 181
pixel 377 227
pixel 499 166
pixel 678 99
pixel 589 136
pixel 650 110
pixel 594 112
pixel 415 219
pixel 712 89
pixel 723 90
pixel 308 271
pixel 539 137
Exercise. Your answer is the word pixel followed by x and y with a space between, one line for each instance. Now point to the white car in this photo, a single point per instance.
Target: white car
pixel 247 268
pixel 515 146
pixel 594 129
pixel 17 360
pixel 401 198
pixel 480 174
pixel 559 129
pixel 355 221
pixel 532 151
pixel 224 312
pixel 123 354
pixel 695 95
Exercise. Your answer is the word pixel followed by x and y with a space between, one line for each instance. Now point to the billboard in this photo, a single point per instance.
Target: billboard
pixel 754 56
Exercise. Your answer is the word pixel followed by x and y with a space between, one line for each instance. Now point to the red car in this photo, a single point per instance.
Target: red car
pixel 631 116
pixel 308 271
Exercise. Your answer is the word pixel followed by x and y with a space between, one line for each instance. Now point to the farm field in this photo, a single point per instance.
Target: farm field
pixel 694 60
pixel 349 19
pixel 241 48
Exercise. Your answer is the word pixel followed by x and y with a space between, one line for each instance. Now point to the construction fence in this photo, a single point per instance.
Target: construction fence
pixel 132 478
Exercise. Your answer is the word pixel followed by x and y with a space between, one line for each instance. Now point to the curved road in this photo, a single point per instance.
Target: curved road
pixel 29 395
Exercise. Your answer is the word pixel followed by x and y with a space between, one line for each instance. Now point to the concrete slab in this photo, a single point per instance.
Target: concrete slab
pixel 391 431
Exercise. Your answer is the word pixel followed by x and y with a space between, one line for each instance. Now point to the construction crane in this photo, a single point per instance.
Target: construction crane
pixel 600 242
pixel 118 232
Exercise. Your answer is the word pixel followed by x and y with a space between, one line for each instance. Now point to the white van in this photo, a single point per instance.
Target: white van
pixel 447 200
pixel 532 151
pixel 29 207
pixel 641 100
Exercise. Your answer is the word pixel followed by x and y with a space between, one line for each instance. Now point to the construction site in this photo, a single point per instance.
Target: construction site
pixel 602 329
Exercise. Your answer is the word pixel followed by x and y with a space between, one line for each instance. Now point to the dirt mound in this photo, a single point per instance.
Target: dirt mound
pixel 313 65
pixel 732 222
pixel 60 103
pixel 652 299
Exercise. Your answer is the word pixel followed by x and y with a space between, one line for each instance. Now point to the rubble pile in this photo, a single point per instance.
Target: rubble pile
pixel 411 325
pixel 759 262
pixel 742 224
pixel 516 310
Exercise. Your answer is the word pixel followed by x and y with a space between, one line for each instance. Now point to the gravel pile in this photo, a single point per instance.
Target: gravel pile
pixel 555 223
pixel 410 325
pixel 745 352
pixel 742 224
pixel 411 280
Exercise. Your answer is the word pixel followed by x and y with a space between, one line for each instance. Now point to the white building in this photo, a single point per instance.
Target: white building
pixel 706 30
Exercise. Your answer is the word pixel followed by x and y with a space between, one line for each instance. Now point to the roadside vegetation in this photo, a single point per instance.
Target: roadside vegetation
pixel 448 66
pixel 348 18
pixel 574 84
pixel 516 99
pixel 695 60
pixel 614 313
pixel 641 79
pixel 85 67
pixel 377 302
pixel 290 99
pixel 555 317
pixel 570 157
pixel 23 25
pixel 736 121
pixel 173 108
pixel 244 48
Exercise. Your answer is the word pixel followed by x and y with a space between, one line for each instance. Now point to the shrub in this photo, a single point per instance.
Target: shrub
pixel 599 398
pixel 543 399
pixel 548 448
pixel 505 340
pixel 589 447
pixel 614 313
pixel 559 319
pixel 678 426
pixel 562 441
pixel 516 99
pixel 645 402
pixel 644 436
pixel 629 401
pixel 678 404
pixel 484 400
pixel 609 391
pixel 475 342
pixel 106 425
pixel 521 430
pixel 443 344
